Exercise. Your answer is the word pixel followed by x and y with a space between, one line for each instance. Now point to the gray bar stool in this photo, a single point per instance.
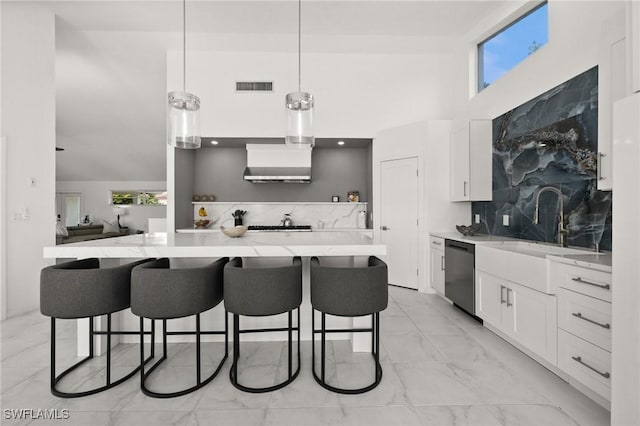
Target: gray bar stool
pixel 263 291
pixel 348 292
pixel 82 289
pixel 161 293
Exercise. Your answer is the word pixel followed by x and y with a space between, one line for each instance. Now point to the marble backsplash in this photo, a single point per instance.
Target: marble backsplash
pixel 550 140
pixel 319 215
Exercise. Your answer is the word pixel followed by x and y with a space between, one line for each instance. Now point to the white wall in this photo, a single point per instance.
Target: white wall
pixel 3 225
pixel 429 141
pixel 356 95
pixel 95 200
pixel 575 29
pixel 28 117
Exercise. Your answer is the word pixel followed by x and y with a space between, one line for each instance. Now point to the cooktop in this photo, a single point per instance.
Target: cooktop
pixel 280 228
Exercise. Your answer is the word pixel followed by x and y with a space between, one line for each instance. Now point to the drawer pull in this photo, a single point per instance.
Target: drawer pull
pixel 579 315
pixel 581 281
pixel 436 243
pixel 581 362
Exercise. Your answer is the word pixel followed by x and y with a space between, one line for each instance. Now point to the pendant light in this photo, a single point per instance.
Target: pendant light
pixel 299 107
pixel 184 107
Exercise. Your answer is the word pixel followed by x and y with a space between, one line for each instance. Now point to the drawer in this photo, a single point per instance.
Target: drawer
pixel 582 280
pixel 585 362
pixel 586 317
pixel 436 243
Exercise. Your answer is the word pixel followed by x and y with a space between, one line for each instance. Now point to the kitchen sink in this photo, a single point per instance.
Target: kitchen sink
pixel 535 249
pixel 521 262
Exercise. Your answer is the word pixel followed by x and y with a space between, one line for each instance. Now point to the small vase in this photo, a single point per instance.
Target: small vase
pixel 237 221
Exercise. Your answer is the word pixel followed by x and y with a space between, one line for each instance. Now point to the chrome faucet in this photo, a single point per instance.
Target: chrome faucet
pixel 562 231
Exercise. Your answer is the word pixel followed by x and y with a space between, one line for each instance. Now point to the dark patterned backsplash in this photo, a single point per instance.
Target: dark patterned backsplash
pixel 552 140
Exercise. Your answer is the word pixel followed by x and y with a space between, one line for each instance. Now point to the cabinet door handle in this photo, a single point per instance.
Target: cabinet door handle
pixel 508 303
pixel 581 281
pixel 464 189
pixel 579 315
pixel 599 157
pixel 581 362
pixel 502 301
pixel 442 263
pixel 384 228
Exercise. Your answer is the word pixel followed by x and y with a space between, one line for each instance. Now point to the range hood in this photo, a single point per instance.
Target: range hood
pixel 270 163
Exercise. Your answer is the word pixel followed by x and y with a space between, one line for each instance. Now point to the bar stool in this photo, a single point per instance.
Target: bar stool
pixel 348 292
pixel 159 292
pixel 263 291
pixel 82 289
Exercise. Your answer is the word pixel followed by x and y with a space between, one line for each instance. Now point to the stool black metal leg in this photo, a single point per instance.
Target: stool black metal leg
pixel 198 369
pixel 290 346
pixel 109 384
pixel 375 350
pixel 153 337
pixel 108 349
pixel 53 353
pixel 322 350
pixel 199 382
pixel 142 349
pixel 233 372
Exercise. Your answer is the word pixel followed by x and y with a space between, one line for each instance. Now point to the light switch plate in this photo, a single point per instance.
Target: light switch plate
pixel 477 218
pixel 505 220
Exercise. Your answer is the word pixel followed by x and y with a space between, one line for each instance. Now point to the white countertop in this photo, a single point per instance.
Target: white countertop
pixel 476 239
pixel 598 261
pixel 216 244
pixel 575 255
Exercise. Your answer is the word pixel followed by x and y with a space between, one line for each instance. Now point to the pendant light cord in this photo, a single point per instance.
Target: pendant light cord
pixel 299 42
pixel 184 45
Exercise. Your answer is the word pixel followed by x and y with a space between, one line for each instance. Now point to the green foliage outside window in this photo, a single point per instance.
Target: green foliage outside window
pixel 141 198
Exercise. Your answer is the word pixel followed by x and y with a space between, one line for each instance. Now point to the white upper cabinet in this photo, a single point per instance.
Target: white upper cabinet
pixel 612 86
pixel 633 46
pixel 470 172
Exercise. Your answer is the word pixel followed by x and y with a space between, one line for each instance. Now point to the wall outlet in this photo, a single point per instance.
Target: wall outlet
pixel 505 220
pixel 476 218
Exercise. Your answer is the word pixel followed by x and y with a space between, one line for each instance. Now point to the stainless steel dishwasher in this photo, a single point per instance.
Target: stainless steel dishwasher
pixel 459 274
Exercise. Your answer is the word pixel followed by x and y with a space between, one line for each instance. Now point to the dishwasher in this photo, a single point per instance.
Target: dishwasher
pixel 459 275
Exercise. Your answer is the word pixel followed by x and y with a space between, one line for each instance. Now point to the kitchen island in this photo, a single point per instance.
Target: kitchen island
pixel 192 249
pixel 216 244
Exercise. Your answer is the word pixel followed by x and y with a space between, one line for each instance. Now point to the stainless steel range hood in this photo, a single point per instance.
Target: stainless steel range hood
pixel 271 163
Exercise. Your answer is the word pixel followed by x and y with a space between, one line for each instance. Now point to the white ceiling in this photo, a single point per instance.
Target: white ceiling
pixel 111 59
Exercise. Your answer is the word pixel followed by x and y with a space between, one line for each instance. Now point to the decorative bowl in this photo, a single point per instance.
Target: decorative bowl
pixel 204 222
pixel 468 231
pixel 236 231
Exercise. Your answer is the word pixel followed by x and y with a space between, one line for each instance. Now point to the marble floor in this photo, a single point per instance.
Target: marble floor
pixel 440 368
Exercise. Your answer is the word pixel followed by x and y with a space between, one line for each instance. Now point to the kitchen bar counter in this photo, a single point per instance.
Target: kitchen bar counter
pixel 216 244
pixel 349 247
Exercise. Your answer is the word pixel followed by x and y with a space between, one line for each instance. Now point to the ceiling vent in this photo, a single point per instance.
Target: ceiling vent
pixel 254 86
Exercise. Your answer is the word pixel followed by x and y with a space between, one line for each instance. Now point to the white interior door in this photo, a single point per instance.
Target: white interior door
pixel 399 219
pixel 69 208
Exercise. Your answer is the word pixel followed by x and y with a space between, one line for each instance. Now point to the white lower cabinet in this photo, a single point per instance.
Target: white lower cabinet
pixel 436 264
pixel 584 325
pixel 585 362
pixel 525 315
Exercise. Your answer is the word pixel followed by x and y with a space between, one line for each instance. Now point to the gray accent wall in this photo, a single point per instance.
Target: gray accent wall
pixel 335 171
pixel 185 160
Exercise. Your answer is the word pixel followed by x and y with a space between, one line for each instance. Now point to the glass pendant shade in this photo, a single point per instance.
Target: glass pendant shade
pixel 184 120
pixel 300 120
